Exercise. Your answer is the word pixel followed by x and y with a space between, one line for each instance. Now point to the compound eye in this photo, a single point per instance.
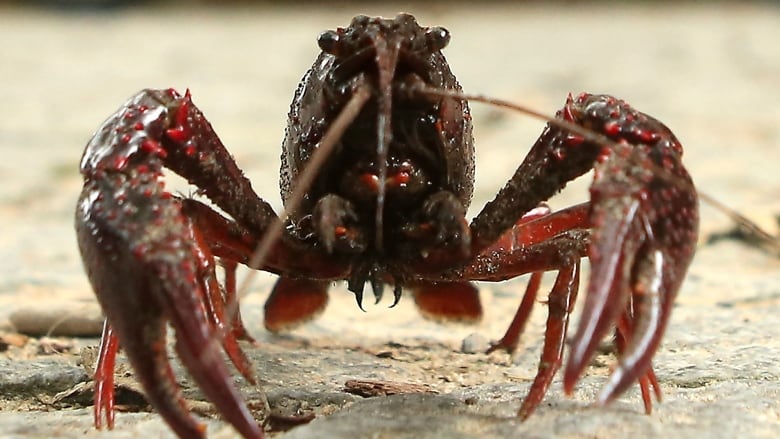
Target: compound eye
pixel 438 38
pixel 329 42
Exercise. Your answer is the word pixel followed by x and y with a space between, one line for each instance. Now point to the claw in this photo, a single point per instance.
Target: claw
pixel 606 294
pixel 643 227
pixel 132 307
pixel 196 346
pixel 647 328
pixel 144 267
pixel 646 381
pixel 644 234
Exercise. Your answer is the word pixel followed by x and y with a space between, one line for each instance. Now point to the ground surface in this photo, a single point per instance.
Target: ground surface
pixel 709 73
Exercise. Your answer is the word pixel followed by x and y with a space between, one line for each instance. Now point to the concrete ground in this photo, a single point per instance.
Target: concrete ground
pixel 709 72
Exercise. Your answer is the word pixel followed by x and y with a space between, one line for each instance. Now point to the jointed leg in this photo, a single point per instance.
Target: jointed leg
pixel 560 304
pixel 104 377
pixel 511 338
pixel 231 299
pixel 646 381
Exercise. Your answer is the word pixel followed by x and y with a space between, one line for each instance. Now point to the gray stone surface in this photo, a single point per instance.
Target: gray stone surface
pixel 710 73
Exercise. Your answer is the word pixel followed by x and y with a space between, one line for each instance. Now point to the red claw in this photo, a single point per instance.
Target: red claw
pixel 148 265
pixel 644 235
pixel 643 222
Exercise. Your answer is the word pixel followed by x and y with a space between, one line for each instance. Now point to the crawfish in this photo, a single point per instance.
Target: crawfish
pixel 377 174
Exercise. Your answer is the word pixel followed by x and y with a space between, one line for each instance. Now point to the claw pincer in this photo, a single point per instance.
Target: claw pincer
pixel 644 215
pixel 643 218
pixel 149 266
pixel 639 231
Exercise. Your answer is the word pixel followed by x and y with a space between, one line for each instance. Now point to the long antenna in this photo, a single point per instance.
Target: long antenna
pixel 323 150
pixel 386 59
pixel 771 242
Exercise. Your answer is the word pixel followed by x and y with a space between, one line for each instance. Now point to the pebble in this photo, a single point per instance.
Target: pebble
pixel 59 319
pixel 11 339
pixel 474 344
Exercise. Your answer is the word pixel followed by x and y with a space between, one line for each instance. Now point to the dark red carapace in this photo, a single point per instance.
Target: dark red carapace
pixel 377 174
